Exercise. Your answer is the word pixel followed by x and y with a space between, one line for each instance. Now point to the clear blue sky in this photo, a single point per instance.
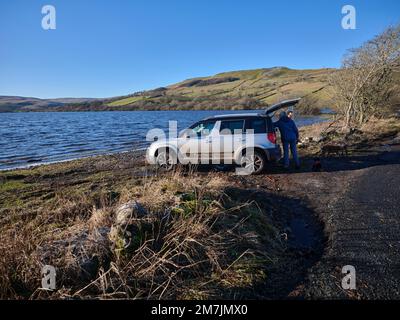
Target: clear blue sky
pixel 109 48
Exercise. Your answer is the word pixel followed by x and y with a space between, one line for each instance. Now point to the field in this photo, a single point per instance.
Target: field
pixel 115 228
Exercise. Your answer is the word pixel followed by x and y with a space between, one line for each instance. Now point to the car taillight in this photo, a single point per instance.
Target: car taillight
pixel 272 137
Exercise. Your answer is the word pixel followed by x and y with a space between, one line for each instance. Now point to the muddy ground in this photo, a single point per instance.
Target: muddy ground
pixel 356 198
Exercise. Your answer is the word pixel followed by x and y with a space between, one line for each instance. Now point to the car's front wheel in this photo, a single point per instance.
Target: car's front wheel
pixel 253 163
pixel 166 160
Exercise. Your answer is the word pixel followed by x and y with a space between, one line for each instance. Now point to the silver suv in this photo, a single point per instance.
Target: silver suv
pixel 247 140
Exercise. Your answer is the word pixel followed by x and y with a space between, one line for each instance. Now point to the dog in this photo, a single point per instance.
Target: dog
pixel 317 166
pixel 334 149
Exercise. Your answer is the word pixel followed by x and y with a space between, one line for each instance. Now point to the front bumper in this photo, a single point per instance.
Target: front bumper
pixel 150 155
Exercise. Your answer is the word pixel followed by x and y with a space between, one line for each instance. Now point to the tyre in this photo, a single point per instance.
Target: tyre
pixel 166 159
pixel 254 163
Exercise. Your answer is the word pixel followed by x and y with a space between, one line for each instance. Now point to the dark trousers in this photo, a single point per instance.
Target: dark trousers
pixel 293 149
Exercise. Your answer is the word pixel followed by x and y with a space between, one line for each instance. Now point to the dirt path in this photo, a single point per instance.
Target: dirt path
pixel 358 202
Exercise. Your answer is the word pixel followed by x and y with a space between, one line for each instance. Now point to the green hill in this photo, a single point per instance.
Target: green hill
pixel 26 104
pixel 247 89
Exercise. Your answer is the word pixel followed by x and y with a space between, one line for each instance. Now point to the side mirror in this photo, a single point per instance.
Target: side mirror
pixel 186 133
pixel 181 133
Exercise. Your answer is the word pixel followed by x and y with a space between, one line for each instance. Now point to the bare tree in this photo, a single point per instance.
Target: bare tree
pixel 364 84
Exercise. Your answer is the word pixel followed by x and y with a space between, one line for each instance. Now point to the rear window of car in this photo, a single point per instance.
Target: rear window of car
pixel 256 124
pixel 230 126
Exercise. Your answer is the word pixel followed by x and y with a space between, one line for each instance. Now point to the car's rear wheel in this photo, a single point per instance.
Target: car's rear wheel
pixel 166 160
pixel 254 163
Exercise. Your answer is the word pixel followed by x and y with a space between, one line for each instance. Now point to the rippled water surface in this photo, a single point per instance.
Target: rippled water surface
pixel 35 138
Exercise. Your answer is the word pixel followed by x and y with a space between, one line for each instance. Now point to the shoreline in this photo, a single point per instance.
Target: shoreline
pixel 106 183
pixel 76 203
pixel 322 111
pixel 307 119
pixel 34 165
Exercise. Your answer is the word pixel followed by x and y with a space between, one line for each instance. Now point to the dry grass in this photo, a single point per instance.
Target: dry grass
pixel 373 133
pixel 193 241
pixel 374 128
pixel 387 127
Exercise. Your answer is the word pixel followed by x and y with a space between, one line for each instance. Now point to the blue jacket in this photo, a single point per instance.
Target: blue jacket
pixel 288 129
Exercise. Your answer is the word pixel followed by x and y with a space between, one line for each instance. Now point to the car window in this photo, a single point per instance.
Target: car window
pixel 230 126
pixel 203 128
pixel 258 125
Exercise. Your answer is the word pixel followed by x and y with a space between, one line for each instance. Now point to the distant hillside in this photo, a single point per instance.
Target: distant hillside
pixel 14 103
pixel 248 89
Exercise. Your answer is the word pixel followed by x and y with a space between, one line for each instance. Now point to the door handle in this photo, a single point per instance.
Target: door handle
pixel 241 139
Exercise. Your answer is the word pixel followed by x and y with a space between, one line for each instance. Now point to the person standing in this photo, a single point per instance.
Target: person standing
pixel 289 137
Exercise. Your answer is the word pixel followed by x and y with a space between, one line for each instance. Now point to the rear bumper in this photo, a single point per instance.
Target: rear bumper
pixel 274 154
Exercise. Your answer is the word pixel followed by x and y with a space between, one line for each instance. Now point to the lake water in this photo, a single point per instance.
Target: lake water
pixel 35 138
